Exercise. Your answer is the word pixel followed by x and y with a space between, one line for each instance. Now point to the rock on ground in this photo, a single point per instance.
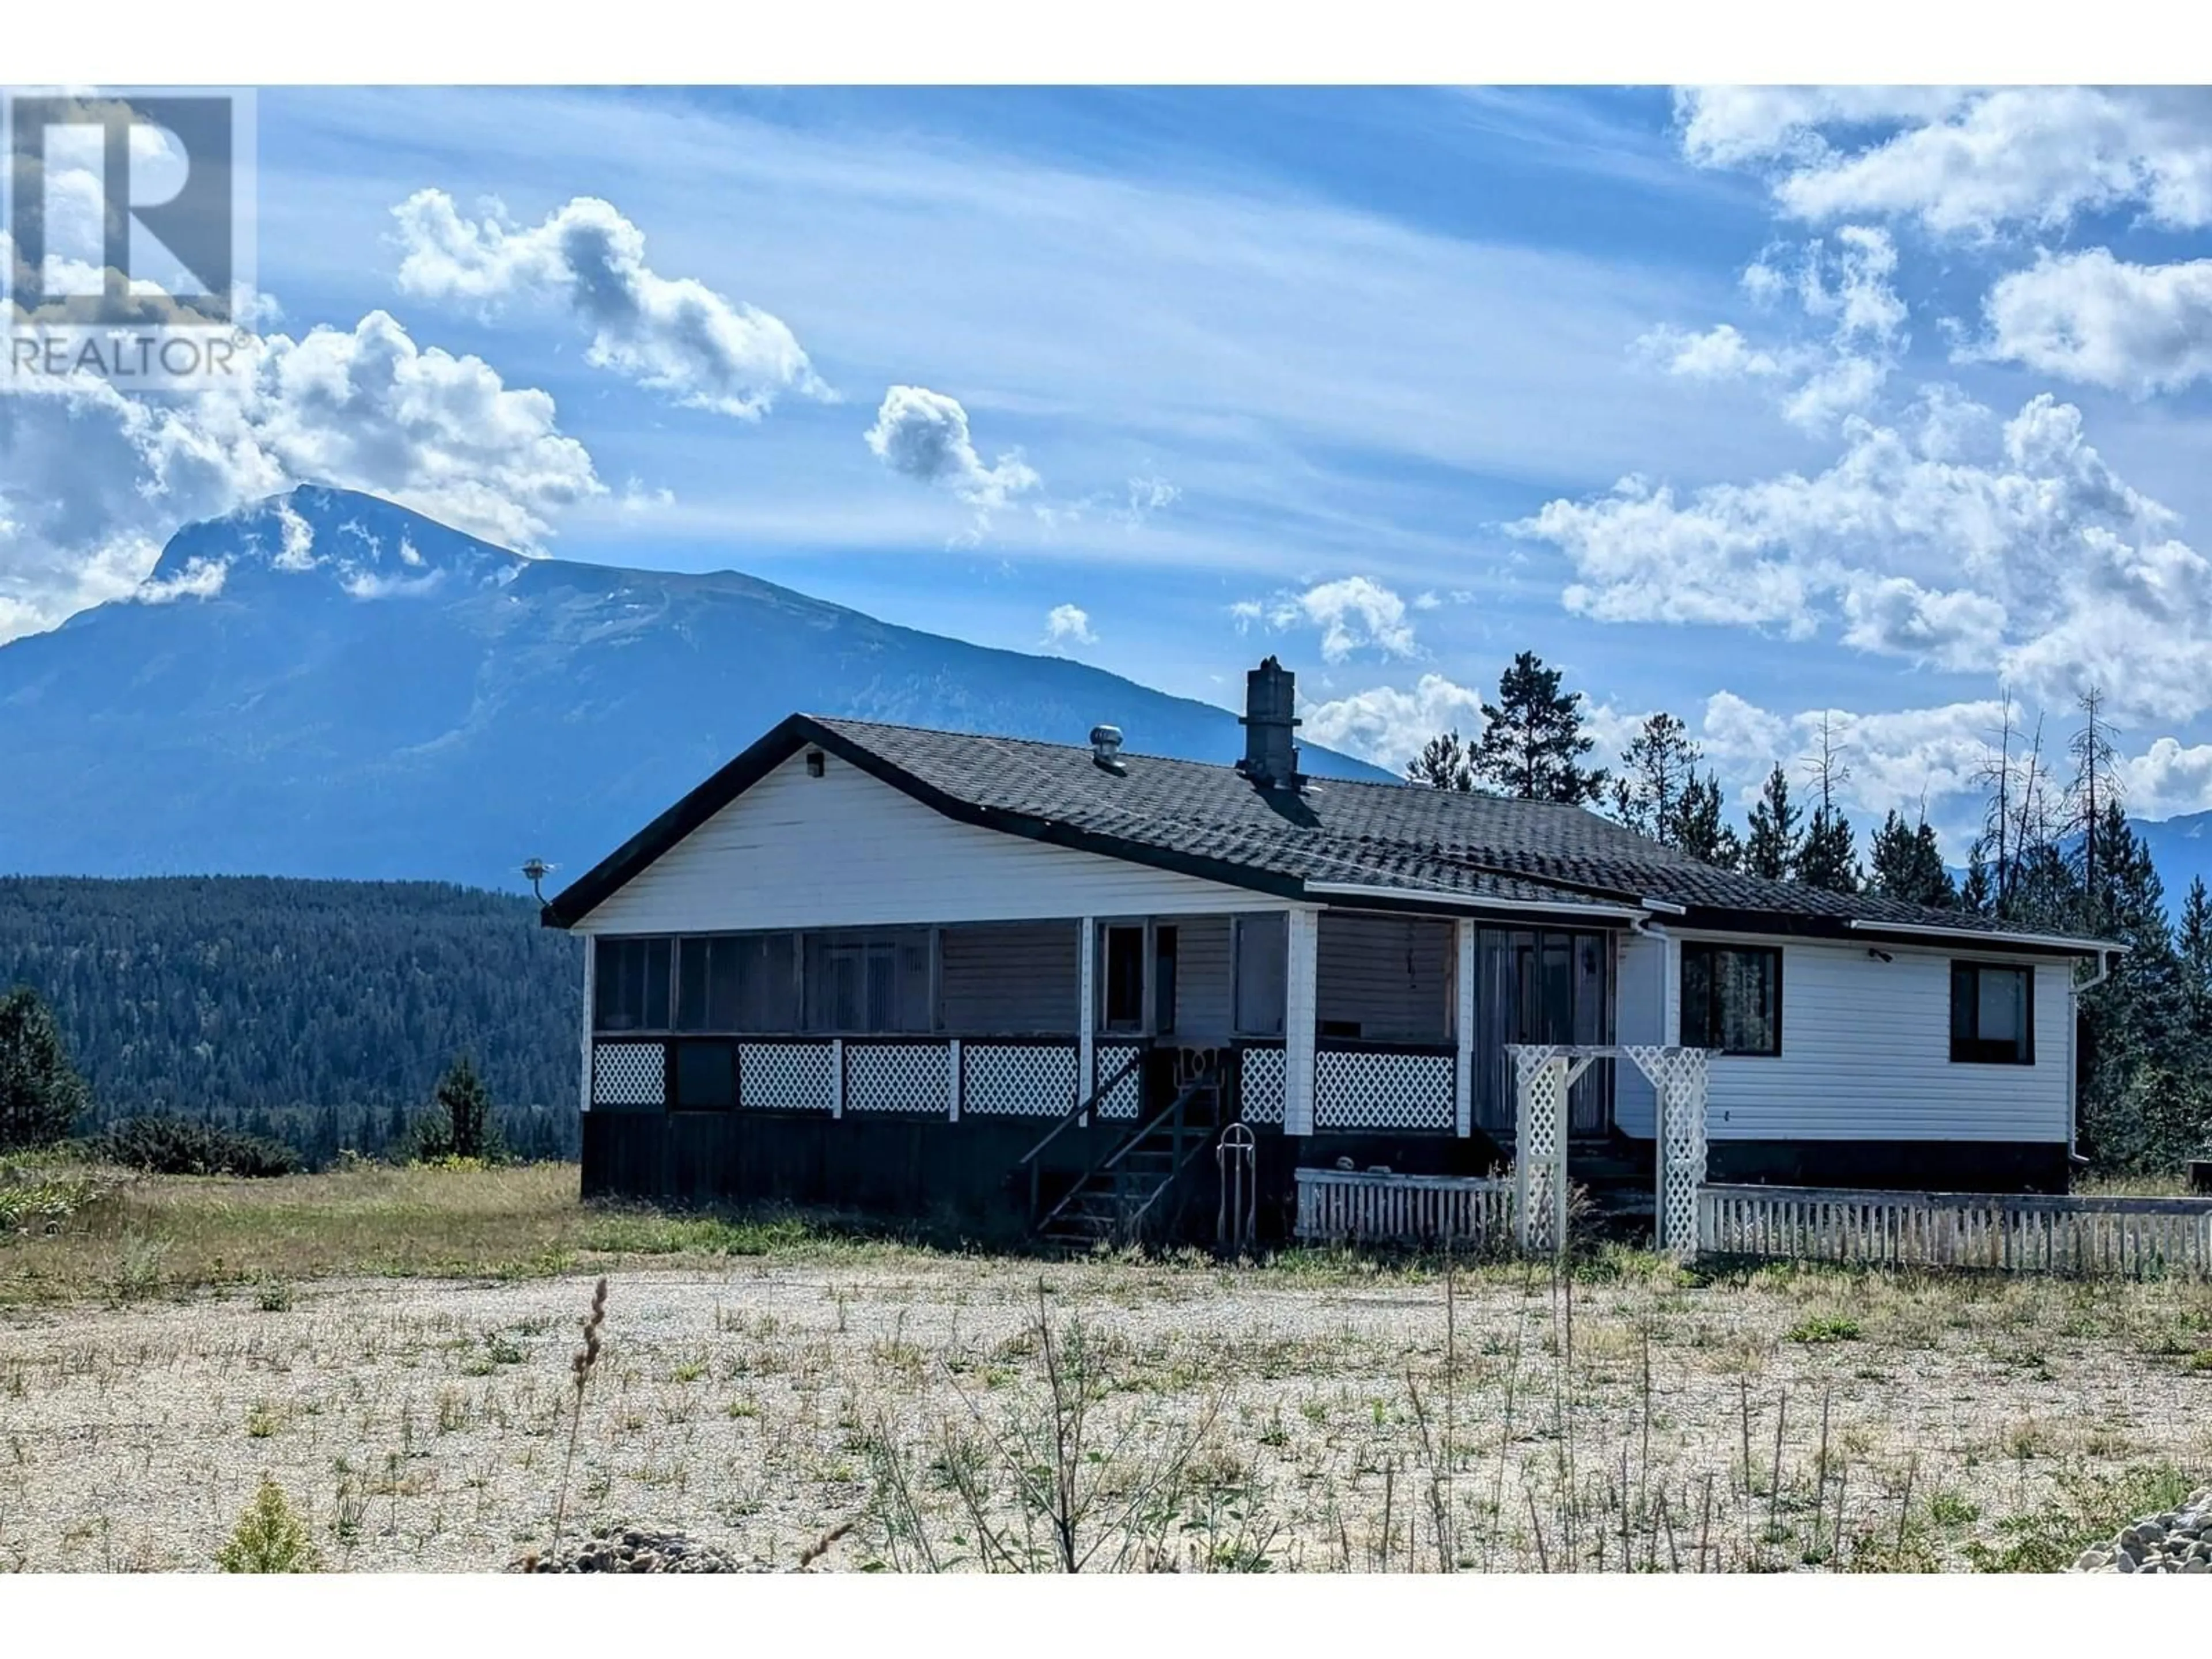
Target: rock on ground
pixel 2179 1540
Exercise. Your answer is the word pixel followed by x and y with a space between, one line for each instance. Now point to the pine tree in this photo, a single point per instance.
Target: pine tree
pixel 2194 944
pixel 1907 864
pixel 1700 829
pixel 41 1096
pixel 1443 764
pixel 1771 848
pixel 1659 765
pixel 1532 744
pixel 460 1123
pixel 1829 858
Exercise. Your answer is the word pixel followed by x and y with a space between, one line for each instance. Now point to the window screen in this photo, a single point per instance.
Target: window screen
pixel 1732 999
pixel 1992 1014
pixel 1124 990
pixel 629 979
pixel 869 983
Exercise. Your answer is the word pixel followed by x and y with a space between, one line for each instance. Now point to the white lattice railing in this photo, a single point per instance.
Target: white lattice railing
pixel 1260 1073
pixel 898 1077
pixel 1009 1080
pixel 787 1077
pixel 1345 1206
pixel 629 1074
pixel 2011 1233
pixel 1383 1088
pixel 1126 1098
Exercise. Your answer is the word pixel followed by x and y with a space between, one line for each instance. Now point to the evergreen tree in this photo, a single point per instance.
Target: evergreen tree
pixel 1532 744
pixel 2193 945
pixel 1443 764
pixel 1771 848
pixel 460 1123
pixel 1907 864
pixel 1978 893
pixel 1829 858
pixel 41 1096
pixel 1659 766
pixel 1700 829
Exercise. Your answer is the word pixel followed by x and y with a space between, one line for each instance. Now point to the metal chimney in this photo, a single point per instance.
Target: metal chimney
pixel 1106 750
pixel 1270 719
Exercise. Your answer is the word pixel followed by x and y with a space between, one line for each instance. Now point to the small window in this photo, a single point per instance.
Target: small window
pixel 1125 979
pixel 630 985
pixel 1263 975
pixel 1992 1014
pixel 1732 999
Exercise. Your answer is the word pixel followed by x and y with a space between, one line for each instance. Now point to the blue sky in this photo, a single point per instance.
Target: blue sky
pixel 1909 390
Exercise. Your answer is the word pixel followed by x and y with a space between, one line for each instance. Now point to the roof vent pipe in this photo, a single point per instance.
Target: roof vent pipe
pixel 1106 750
pixel 1270 722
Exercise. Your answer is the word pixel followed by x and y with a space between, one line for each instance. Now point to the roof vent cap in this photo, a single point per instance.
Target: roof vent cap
pixel 1106 750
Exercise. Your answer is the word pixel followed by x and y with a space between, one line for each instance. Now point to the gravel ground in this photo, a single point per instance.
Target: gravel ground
pixel 421 1424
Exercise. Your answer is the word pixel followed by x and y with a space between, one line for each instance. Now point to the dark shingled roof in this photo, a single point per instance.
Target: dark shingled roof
pixel 1410 846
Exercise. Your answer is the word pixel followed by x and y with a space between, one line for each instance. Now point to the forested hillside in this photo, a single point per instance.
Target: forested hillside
pixel 318 1012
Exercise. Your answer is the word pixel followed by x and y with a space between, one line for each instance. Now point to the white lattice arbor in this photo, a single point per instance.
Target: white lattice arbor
pixel 1542 1075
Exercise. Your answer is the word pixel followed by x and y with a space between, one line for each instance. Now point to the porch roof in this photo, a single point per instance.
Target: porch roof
pixel 1332 840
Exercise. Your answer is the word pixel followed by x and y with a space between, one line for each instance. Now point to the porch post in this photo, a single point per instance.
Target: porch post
pixel 1300 1002
pixel 590 991
pixel 1463 1030
pixel 1086 1016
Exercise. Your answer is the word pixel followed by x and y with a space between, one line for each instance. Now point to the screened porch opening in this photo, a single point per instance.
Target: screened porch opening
pixel 1540 986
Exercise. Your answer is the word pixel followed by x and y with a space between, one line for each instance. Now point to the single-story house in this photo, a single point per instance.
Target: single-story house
pixel 875 966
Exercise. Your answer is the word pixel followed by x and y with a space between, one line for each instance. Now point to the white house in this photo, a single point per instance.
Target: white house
pixel 876 966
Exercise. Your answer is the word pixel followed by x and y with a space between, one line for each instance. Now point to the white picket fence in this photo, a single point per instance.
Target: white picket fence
pixel 2011 1233
pixel 1352 1207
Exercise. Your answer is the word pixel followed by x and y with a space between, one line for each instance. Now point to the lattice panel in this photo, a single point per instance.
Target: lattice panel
pixel 1677 1081
pixel 898 1077
pixel 628 1074
pixel 787 1077
pixel 1539 1087
pixel 1365 1091
pixel 1128 1096
pixel 1028 1081
pixel 1262 1075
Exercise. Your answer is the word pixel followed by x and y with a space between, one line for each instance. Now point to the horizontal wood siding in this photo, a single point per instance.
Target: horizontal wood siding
pixel 1392 975
pixel 1014 977
pixel 846 850
pixel 1205 1013
pixel 1866 1055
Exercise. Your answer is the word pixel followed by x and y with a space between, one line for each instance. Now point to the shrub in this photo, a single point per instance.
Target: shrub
pixel 40 1201
pixel 270 1537
pixel 176 1145
pixel 41 1096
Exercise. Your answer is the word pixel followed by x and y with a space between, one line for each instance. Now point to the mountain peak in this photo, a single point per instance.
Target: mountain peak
pixel 369 547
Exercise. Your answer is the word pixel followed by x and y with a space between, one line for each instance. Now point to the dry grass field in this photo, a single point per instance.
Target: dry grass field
pixel 393 1347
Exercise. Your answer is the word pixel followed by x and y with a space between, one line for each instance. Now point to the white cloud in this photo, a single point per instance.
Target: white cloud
pixel 97 479
pixel 1959 541
pixel 1968 163
pixel 2089 316
pixel 923 435
pixel 1068 625
pixel 2167 779
pixel 200 579
pixel 1720 353
pixel 674 336
pixel 1353 613
pixel 1389 725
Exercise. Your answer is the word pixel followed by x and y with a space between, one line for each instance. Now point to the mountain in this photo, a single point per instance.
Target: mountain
pixel 329 684
pixel 2181 849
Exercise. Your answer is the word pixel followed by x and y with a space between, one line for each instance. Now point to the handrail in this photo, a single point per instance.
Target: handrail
pixel 1111 1160
pixel 1083 1107
pixel 1131 1221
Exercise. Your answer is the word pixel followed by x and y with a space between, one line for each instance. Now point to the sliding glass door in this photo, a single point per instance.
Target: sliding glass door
pixel 1540 986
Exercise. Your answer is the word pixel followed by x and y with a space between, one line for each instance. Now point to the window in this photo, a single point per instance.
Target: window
pixel 1732 999
pixel 1263 949
pixel 737 982
pixel 1992 1014
pixel 1125 979
pixel 869 983
pixel 630 983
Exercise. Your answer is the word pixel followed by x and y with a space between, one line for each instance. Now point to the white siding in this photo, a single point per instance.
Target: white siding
pixel 1866 1055
pixel 1016 978
pixel 1390 974
pixel 845 849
